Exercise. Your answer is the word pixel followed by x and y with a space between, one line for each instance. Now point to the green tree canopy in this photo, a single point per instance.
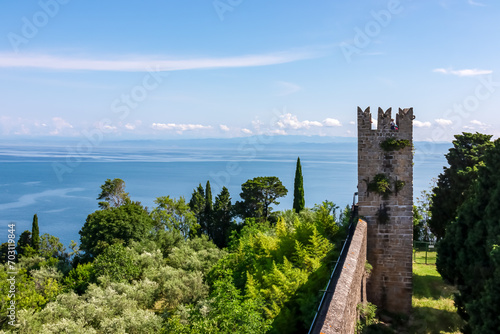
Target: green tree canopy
pixel 298 190
pixel 469 254
pixel 453 185
pixel 174 215
pixel 258 195
pixel 116 224
pixel 113 193
pixel 117 263
pixel 421 217
pixel 24 244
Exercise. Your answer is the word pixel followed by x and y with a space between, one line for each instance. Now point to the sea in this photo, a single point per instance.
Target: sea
pixel 59 180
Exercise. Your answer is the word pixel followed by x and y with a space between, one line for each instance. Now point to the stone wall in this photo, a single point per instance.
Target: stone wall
pixel 389 217
pixel 339 314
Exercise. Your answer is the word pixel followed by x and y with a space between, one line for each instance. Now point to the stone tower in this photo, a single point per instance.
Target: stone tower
pixel 385 200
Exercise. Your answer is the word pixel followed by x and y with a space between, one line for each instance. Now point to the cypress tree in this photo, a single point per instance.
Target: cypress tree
pixel 35 234
pixel 208 215
pixel 298 191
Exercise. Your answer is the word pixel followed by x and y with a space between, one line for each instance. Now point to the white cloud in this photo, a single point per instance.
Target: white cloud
pixel 143 63
pixel 179 127
pixel 280 132
pixel 246 131
pixel 443 122
pixel 109 128
pixel 332 122
pixel 420 124
pixel 289 121
pixel 463 73
pixel 476 122
pixel 223 127
pixel 129 126
pixel 287 88
pixel 352 122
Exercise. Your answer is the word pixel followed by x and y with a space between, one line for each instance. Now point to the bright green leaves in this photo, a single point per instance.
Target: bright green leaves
pixel 174 215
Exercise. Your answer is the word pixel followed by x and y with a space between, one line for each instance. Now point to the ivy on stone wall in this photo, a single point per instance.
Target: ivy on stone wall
pixel 393 144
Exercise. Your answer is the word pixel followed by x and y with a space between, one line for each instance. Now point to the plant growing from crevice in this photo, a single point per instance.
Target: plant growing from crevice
pixel 393 144
pixel 367 316
pixel 368 269
pixel 383 214
pixel 399 185
pixel 380 185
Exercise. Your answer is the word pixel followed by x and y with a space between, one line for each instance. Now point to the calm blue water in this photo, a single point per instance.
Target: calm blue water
pixel 60 181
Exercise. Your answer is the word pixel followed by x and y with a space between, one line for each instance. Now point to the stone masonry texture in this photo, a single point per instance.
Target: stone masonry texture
pixel 390 240
pixel 339 314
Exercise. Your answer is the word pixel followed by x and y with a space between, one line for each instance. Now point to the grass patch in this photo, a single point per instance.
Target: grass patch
pixel 420 257
pixel 434 311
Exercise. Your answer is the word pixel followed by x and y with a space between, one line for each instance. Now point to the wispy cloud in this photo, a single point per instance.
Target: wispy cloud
pixel 287 88
pixel 289 121
pixel 179 127
pixel 475 3
pixel 145 63
pixel 476 122
pixel 462 73
pixel 223 127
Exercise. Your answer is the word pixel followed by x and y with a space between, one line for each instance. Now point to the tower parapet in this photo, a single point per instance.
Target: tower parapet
pixel 385 200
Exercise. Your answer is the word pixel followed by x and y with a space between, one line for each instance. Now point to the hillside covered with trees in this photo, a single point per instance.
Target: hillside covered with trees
pixel 199 266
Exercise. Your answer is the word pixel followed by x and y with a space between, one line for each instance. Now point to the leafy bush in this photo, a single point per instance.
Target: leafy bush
pixel 118 263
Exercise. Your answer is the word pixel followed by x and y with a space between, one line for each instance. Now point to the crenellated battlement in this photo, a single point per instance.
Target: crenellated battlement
pixel 404 119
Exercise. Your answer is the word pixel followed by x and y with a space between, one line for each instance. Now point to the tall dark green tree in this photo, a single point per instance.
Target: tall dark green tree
pixel 24 243
pixel 113 193
pixel 207 227
pixel 197 204
pixel 258 195
pixel 469 253
pixel 298 189
pixel 454 184
pixel 35 234
pixel 223 215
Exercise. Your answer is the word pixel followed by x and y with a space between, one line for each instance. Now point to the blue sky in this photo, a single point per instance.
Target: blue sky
pixel 231 68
